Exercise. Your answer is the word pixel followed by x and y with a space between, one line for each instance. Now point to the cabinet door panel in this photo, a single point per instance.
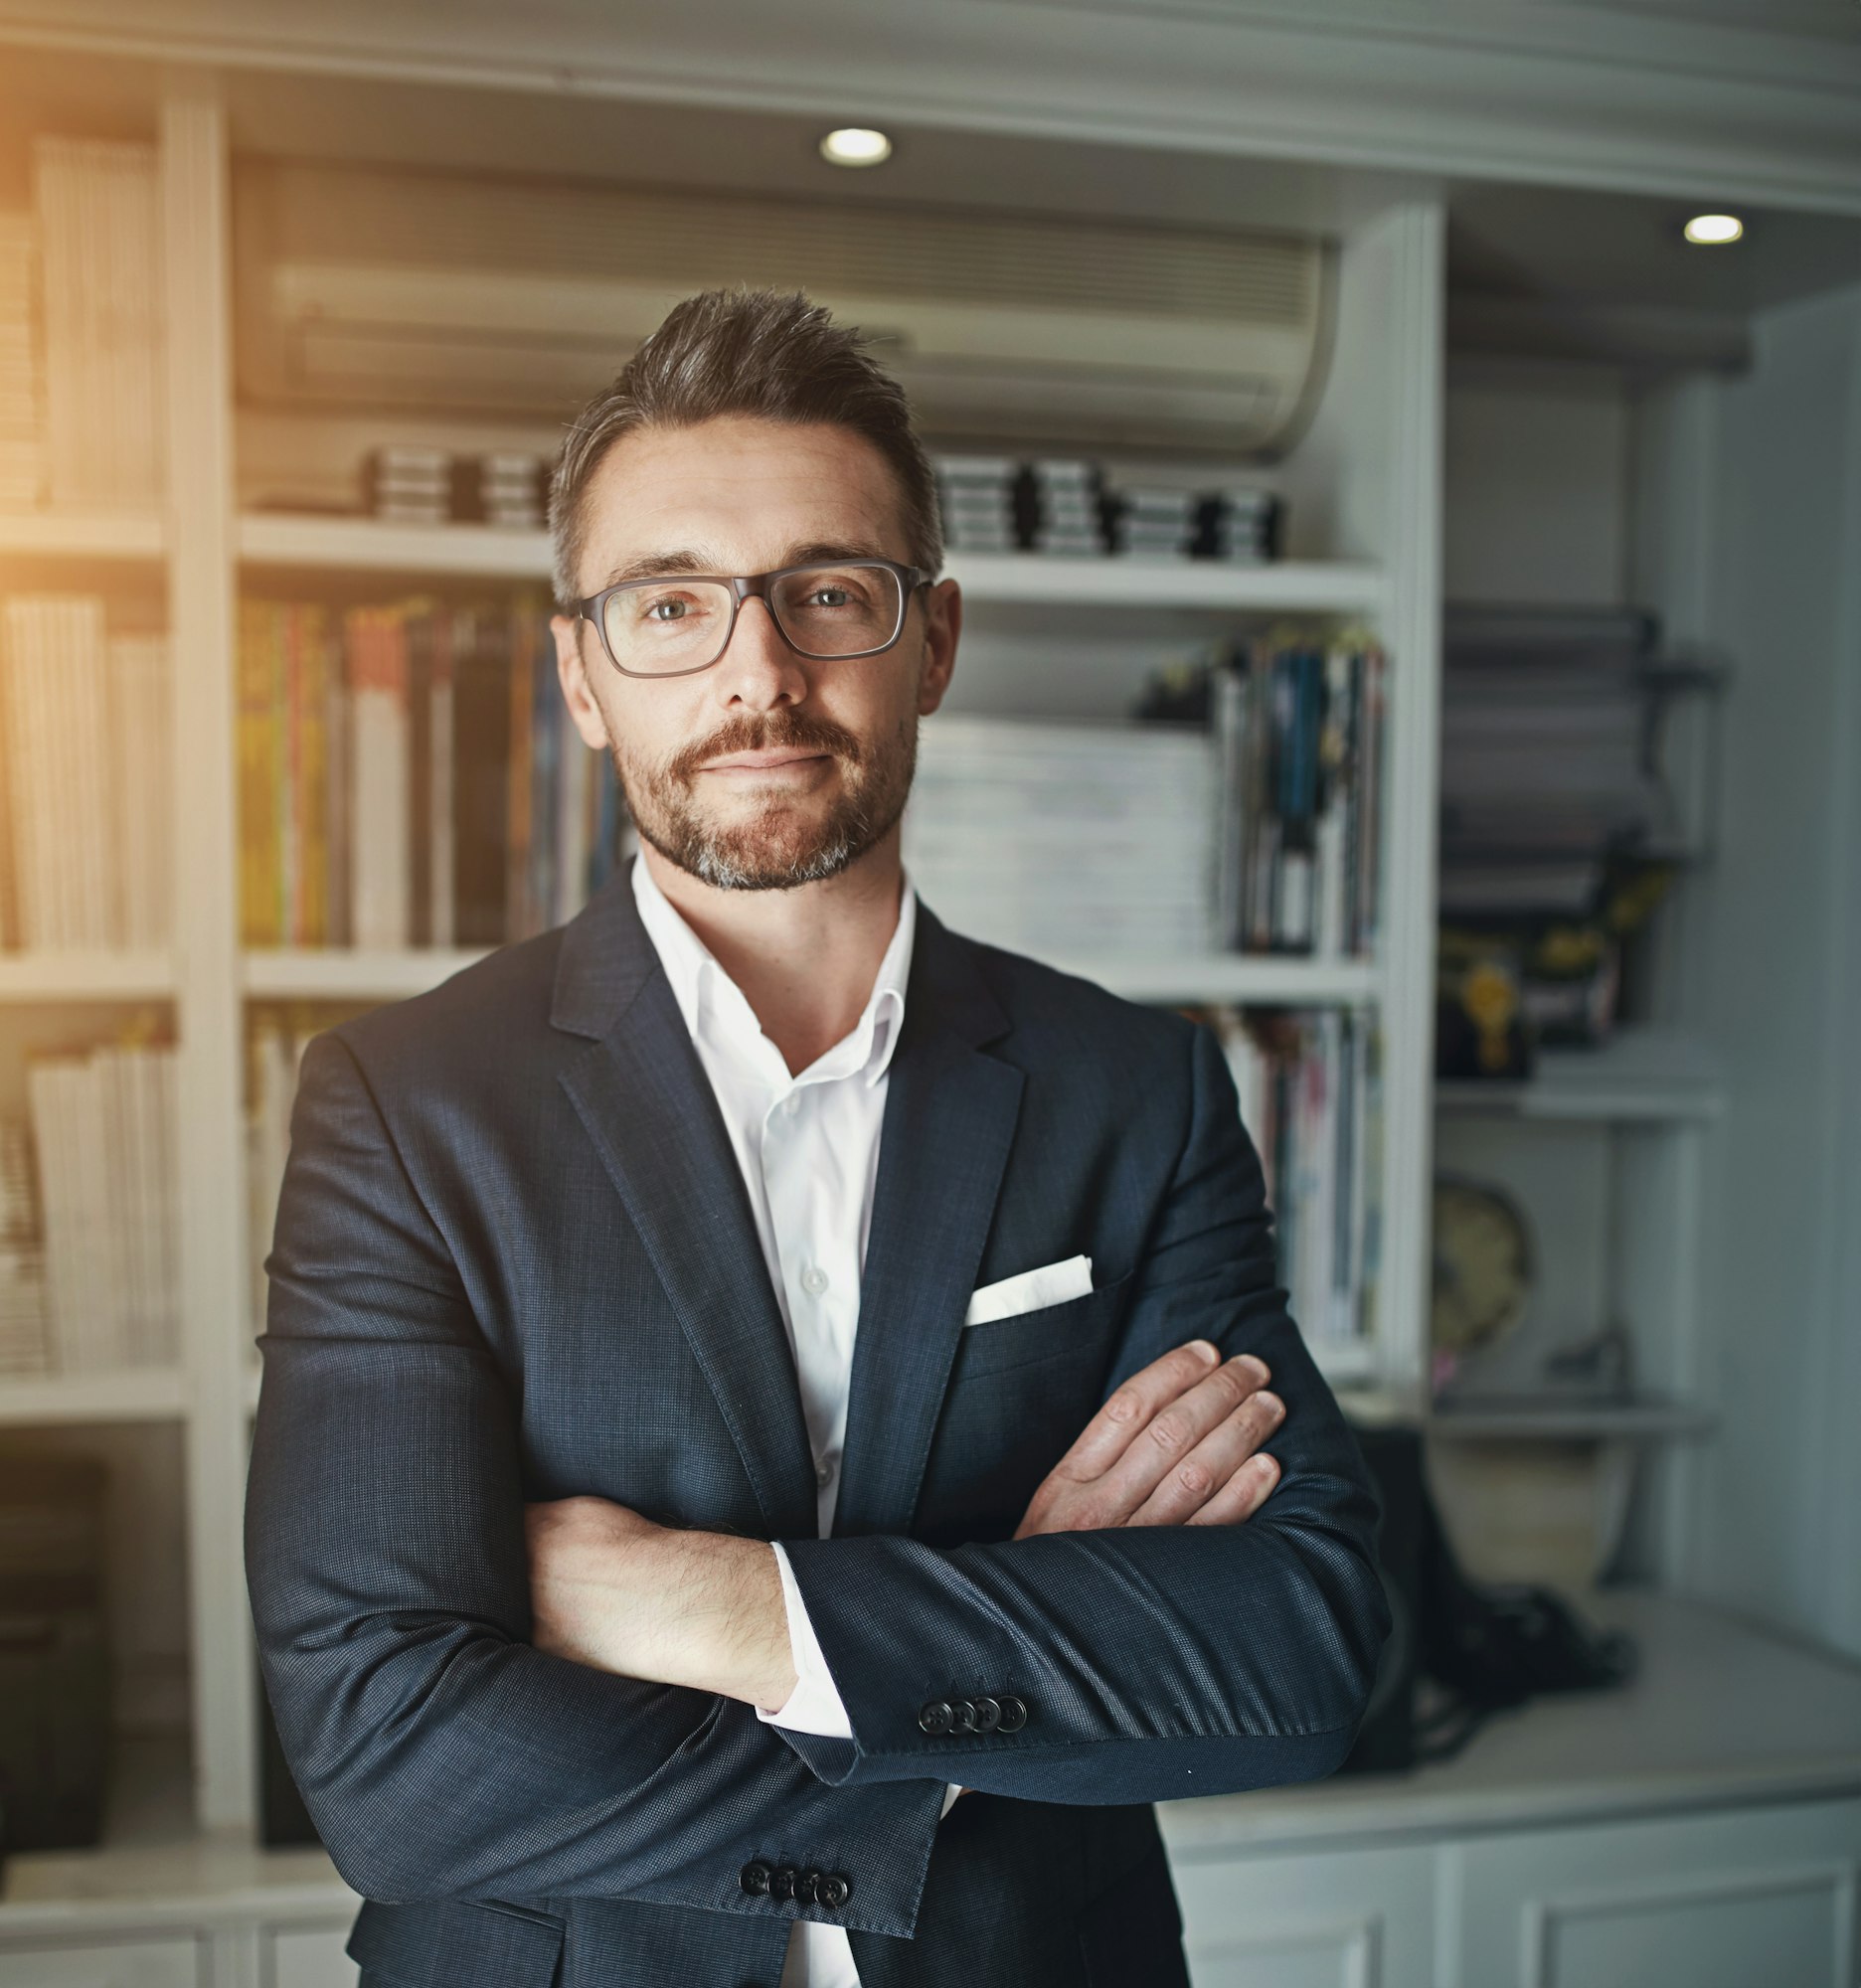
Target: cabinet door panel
pixel 172 1960
pixel 1717 1901
pixel 1331 1919
pixel 306 1956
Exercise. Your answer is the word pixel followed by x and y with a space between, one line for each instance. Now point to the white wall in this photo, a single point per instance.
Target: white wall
pixel 1776 968
pixel 1536 485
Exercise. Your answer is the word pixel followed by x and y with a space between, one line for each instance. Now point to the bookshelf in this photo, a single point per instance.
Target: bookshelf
pixel 1363 483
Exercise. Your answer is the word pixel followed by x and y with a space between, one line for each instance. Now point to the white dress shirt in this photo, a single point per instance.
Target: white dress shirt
pixel 809 1150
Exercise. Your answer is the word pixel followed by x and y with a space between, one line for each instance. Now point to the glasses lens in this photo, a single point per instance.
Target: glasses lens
pixel 663 625
pixel 837 610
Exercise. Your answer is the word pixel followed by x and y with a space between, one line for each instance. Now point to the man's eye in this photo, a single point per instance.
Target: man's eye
pixel 829 596
pixel 667 611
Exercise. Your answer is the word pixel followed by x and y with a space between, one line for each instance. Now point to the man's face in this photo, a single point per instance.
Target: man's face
pixel 740 495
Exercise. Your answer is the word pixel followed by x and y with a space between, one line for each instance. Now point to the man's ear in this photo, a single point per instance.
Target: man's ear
pixel 942 628
pixel 573 676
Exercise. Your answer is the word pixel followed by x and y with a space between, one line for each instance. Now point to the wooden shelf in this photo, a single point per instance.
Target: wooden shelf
pixel 335 973
pixel 480 552
pixel 86 976
pixel 342 973
pixel 1647 1420
pixel 1640 1074
pixel 132 1395
pixel 96 534
pixel 154 1854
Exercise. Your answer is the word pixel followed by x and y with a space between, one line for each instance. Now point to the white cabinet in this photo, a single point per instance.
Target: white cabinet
pixel 1740 1896
pixel 161 1961
pixel 1722 1900
pixel 1340 1918
pixel 306 1956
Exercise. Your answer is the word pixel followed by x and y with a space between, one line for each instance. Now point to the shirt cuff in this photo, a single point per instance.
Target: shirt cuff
pixel 814 1705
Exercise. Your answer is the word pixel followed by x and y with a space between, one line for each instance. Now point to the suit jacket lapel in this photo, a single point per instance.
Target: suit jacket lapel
pixel 642 1091
pixel 950 1120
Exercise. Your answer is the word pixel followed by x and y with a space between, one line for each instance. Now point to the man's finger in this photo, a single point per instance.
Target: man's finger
pixel 1172 1434
pixel 1212 1465
pixel 1243 1494
pixel 1132 1406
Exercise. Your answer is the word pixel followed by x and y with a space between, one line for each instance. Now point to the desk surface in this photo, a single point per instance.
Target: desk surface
pixel 1721 1711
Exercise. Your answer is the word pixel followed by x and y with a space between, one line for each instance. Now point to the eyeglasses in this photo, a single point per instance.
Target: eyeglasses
pixel 677 623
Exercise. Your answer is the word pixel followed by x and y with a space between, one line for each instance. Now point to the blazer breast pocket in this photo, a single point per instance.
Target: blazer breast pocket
pixel 1077 1328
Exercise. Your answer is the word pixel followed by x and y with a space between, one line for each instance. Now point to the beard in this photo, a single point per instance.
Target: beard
pixel 783 840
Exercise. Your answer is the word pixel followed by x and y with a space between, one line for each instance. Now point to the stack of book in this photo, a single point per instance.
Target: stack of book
pixel 1067 503
pixel 512 490
pixel 84 755
pixel 409 483
pixel 21 412
pixel 1548 764
pixel 24 1346
pixel 103 316
pixel 276 1037
pixel 1298 737
pixel 977 498
pixel 1241 527
pixel 1150 523
pixel 103 1128
pixel 409 777
pixel 1070 840
pixel 1310 1088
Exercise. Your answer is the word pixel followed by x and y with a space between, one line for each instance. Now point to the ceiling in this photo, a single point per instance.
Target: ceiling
pixel 1514 249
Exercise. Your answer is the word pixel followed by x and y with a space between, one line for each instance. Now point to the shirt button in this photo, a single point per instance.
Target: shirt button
pixel 792 1103
pixel 823 1473
pixel 815 1279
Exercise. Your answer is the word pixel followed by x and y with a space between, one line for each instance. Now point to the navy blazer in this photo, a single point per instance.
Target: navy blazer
pixel 514 1260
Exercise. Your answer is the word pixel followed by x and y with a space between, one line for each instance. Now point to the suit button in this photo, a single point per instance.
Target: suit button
pixel 834 1889
pixel 964 1716
pixel 988 1714
pixel 937 1716
pixel 807 1889
pixel 754 1879
pixel 781 1884
pixel 1013 1716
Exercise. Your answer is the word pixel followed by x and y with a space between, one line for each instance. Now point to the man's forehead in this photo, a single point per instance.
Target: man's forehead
pixel 736 490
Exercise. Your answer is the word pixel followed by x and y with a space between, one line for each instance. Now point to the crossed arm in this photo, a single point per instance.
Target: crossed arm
pixel 443 1750
pixel 1178 1444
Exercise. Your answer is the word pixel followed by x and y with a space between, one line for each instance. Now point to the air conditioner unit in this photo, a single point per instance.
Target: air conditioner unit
pixel 393 289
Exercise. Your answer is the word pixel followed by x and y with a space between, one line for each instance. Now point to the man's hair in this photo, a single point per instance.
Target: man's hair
pixel 763 353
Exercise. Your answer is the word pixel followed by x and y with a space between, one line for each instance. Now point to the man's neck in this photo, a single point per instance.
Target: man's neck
pixel 804 958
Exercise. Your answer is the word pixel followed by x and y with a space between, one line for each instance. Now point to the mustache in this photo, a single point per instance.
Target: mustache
pixel 795 732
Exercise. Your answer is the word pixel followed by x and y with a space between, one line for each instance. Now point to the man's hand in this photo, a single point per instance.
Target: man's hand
pixel 1175 1446
pixel 612 1590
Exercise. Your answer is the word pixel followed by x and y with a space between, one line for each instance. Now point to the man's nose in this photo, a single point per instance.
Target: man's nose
pixel 757 667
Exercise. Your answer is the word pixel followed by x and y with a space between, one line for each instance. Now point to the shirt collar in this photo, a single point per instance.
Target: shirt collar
pixel 712 1003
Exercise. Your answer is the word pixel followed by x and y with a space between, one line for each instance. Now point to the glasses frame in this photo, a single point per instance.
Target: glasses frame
pixel 748 586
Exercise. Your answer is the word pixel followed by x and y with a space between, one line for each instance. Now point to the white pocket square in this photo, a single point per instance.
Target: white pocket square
pixel 1051 1285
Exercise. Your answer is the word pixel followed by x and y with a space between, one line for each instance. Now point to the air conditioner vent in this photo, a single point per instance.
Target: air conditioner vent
pixel 363 284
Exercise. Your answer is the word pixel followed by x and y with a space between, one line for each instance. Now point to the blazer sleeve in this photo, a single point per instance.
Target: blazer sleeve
pixel 437 1751
pixel 1154 1662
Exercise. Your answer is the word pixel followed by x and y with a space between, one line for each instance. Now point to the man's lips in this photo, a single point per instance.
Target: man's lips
pixel 760 762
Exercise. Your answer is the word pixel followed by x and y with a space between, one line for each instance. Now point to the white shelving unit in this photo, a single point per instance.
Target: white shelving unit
pixel 1369 464
pixel 179 1893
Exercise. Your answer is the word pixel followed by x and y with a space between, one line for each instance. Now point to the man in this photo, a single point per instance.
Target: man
pixel 764 1470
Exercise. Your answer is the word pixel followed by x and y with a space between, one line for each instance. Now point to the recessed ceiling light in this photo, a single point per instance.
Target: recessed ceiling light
pixel 1714 227
pixel 854 147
